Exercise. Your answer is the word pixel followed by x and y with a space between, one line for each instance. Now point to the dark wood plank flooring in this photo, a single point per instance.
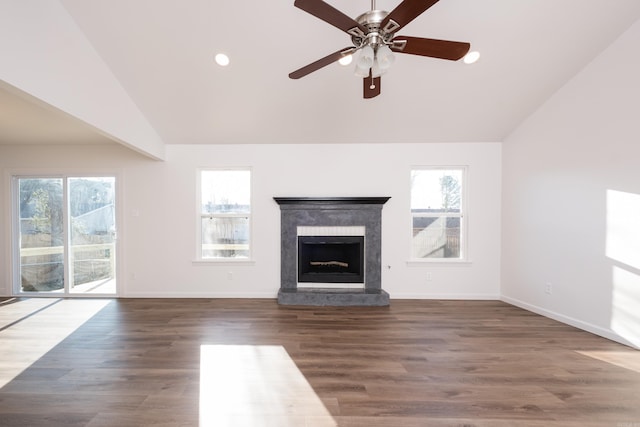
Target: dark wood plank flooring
pixel 416 363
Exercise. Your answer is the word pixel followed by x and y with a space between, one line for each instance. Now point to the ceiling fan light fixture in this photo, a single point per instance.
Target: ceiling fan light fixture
pixel 361 71
pixel 384 57
pixel 365 60
pixel 376 71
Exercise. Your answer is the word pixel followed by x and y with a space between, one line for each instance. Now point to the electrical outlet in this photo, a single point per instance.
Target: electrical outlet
pixel 548 288
pixel 230 275
pixel 429 276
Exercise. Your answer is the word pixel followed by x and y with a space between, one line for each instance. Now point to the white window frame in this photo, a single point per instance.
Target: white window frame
pixel 463 215
pixel 200 215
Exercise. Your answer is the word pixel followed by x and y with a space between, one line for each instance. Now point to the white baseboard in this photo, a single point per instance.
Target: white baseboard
pixel 260 295
pixel 470 297
pixel 487 297
pixel 585 326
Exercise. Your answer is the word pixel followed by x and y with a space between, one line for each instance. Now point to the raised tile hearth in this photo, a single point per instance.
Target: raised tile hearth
pixel 301 214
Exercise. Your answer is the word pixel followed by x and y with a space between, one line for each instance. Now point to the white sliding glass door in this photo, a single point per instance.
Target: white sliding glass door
pixel 65 235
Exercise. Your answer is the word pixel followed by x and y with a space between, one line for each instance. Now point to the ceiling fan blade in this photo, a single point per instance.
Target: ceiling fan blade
pixel 404 13
pixel 322 62
pixel 331 15
pixel 371 86
pixel 443 49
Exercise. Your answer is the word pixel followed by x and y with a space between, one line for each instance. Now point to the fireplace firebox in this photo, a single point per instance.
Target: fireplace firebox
pixel 331 259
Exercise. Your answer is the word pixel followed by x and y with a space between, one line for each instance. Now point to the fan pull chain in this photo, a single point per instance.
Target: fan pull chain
pixel 372 86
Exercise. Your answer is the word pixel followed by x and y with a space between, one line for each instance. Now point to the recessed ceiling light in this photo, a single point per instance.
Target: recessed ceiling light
pixel 471 57
pixel 346 60
pixel 222 59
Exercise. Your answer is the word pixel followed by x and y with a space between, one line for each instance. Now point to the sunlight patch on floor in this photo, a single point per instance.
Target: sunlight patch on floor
pixel 13 310
pixel 22 341
pixel 628 360
pixel 245 385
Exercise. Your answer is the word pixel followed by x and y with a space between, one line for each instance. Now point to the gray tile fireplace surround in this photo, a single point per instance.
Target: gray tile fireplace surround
pixel 331 212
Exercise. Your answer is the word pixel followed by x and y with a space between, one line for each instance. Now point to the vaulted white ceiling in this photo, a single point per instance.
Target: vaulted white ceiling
pixel 161 52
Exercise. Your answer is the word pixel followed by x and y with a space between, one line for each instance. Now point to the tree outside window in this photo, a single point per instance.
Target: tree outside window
pixel 437 213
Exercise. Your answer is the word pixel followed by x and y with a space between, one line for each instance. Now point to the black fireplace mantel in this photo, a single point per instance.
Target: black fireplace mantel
pixel 331 200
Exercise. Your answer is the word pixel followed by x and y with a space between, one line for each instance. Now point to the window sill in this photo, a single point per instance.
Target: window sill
pixel 223 261
pixel 423 262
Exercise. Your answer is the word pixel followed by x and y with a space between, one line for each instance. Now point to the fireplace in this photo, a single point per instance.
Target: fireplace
pixel 331 259
pixel 340 241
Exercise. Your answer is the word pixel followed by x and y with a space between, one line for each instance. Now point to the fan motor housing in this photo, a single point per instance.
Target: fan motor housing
pixel 371 21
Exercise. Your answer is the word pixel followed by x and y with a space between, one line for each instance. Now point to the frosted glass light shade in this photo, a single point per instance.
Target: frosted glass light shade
pixel 360 71
pixel 384 57
pixel 366 57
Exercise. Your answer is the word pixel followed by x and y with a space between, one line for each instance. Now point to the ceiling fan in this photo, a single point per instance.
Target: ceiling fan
pixel 374 34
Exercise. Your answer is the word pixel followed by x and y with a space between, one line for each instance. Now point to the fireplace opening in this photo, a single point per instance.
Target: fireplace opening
pixel 331 259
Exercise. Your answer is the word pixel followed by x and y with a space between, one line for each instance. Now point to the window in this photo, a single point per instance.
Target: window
pixel 224 216
pixel 438 213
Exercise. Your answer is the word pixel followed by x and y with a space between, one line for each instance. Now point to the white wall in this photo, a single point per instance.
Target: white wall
pixel 158 246
pixel 571 200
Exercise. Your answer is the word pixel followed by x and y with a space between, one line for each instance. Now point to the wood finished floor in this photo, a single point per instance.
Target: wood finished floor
pixel 189 362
